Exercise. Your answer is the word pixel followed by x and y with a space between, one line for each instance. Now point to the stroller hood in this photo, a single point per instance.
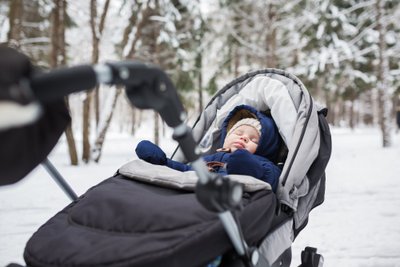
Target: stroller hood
pixel 298 120
pixel 269 139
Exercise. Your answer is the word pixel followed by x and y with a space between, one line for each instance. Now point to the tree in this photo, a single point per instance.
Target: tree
pixel 138 17
pixel 187 69
pixel 58 58
pixel 96 30
pixel 105 123
pixel 158 31
pixel 330 63
pixel 15 21
pixel 383 86
pixel 31 31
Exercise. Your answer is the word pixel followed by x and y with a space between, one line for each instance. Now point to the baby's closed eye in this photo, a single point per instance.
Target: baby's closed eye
pixel 255 140
pixel 239 132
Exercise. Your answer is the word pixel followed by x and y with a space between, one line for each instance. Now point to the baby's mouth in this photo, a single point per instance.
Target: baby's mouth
pixel 238 145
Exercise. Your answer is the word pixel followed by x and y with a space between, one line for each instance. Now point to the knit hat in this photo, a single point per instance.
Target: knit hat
pixel 269 142
pixel 246 121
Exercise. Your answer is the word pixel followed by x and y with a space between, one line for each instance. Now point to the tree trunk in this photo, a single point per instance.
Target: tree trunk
pixel 200 85
pixel 199 68
pixel 382 79
pixel 139 28
pixel 330 106
pixel 69 134
pixel 351 114
pixel 95 53
pixel 132 22
pixel 96 98
pixel 236 62
pixel 98 145
pixel 133 120
pixel 155 51
pixel 15 20
pixel 58 58
pixel 97 30
pixel 164 128
pixel 55 37
pixel 86 128
pixel 73 154
pixel 271 37
pixel 87 102
pixel 368 113
pixel 156 128
pixel 397 112
pixel 128 29
pixel 338 110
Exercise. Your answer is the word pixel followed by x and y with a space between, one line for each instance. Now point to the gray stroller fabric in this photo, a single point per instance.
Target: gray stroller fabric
pixel 294 112
pixel 302 181
pixel 125 223
pixel 166 177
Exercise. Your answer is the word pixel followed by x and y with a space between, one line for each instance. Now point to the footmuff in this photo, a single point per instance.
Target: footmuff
pixel 125 222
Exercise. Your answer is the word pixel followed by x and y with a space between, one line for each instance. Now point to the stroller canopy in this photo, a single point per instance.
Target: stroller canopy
pixel 294 111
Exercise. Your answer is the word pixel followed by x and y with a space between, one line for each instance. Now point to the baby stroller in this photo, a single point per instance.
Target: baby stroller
pixel 149 215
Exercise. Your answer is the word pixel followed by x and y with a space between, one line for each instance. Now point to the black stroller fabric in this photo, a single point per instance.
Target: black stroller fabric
pixel 36 139
pixel 125 222
pixel 122 222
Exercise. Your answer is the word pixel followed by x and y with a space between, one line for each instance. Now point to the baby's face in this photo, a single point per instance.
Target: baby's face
pixel 243 137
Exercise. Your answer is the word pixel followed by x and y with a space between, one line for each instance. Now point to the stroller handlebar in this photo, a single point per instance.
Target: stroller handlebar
pixel 62 82
pixel 149 87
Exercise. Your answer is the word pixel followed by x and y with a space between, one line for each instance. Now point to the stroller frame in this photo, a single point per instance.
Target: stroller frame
pixel 149 87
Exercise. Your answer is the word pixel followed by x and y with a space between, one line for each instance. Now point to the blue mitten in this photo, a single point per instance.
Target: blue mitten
pixel 151 153
pixel 243 162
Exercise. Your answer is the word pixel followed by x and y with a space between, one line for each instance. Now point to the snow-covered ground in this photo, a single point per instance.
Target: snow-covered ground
pixel 358 225
pixel 359 222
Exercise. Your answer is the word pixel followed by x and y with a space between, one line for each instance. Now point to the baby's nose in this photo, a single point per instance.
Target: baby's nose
pixel 245 138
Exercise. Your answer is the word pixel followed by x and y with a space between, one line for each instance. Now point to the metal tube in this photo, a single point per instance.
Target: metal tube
pixel 59 179
pixel 201 170
pixel 232 230
pixel 103 73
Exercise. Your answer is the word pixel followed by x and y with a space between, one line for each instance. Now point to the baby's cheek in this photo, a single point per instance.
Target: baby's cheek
pixel 252 149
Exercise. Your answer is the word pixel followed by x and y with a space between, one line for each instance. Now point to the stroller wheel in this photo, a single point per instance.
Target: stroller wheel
pixel 231 259
pixel 284 260
pixel 310 258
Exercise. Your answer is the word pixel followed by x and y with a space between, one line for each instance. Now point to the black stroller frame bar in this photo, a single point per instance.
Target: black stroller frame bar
pixel 59 179
pixel 148 87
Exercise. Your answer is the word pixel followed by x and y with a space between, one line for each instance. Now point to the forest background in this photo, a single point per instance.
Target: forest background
pixel 345 52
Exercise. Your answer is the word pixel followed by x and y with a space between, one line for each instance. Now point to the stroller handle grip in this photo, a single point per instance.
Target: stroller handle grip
pixel 61 82
pixel 147 86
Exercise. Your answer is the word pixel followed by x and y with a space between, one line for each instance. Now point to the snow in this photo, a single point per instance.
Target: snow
pixel 358 223
pixel 356 226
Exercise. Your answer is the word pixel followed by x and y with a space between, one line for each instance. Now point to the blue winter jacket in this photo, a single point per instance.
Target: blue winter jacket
pixel 258 165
